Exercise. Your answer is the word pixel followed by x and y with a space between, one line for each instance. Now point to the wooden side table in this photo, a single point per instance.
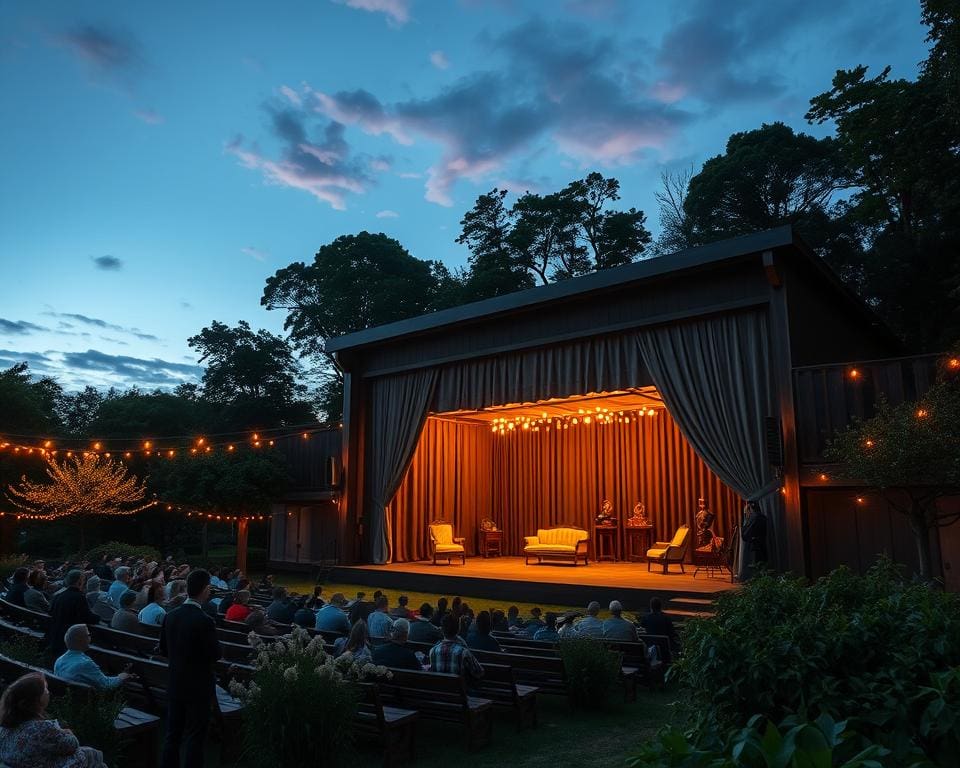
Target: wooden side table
pixel 491 543
pixel 637 540
pixel 605 542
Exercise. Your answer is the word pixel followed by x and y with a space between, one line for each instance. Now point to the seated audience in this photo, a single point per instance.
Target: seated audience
pixel 656 622
pixel 120 585
pixel 396 653
pixel 257 622
pixel 104 569
pixel 534 624
pixel 19 587
pixel 548 633
pixel 478 638
pixel 499 620
pixel 281 610
pixel 303 616
pixel 152 612
pixel 93 591
pixel 591 625
pixel 331 617
pixel 29 740
pixel 176 592
pixel 402 611
pixel 513 618
pixel 315 603
pixel 463 627
pixel 68 607
pixel 617 627
pixel 76 666
pixel 240 608
pixel 125 618
pixel 216 582
pixel 355 643
pixel 422 629
pixel 35 598
pixel 440 612
pixel 379 622
pixel 227 600
pixel 451 655
pixel 565 624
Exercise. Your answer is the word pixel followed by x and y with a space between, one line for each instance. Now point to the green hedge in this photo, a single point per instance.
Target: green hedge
pixel 119 549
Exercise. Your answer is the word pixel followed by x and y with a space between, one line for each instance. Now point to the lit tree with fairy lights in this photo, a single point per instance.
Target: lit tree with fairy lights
pixel 81 487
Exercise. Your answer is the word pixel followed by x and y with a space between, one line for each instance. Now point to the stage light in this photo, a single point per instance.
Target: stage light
pixel 860 499
pixel 146 445
pixel 922 413
pixel 854 373
pixel 823 478
pixel 230 448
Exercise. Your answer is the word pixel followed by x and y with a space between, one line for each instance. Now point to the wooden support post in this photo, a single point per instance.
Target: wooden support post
pixel 242 529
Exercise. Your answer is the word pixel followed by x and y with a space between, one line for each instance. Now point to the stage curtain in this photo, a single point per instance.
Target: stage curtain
pixel 714 376
pixel 541 479
pixel 398 409
pixel 600 364
pixel 449 478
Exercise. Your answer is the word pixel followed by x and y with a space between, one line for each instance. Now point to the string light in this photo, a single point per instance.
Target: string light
pixel 854 373
pixel 953 363
pixel 598 416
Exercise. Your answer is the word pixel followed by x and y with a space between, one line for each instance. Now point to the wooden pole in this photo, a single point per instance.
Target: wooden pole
pixel 242 526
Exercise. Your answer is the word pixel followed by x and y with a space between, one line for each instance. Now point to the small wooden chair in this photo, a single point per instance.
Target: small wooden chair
pixel 443 544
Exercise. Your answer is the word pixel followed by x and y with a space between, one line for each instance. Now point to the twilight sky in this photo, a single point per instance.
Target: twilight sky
pixel 160 161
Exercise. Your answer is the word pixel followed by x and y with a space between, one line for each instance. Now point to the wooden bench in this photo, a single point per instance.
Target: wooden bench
pixel 499 684
pixel 20 615
pixel 393 726
pixel 439 696
pixel 138 729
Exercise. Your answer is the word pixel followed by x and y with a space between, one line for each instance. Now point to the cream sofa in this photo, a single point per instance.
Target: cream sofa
pixel 562 543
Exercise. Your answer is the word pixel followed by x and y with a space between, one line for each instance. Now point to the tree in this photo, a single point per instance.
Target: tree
pixel 911 455
pixel 28 405
pixel 355 282
pixel 80 487
pixel 137 414
pixel 252 378
pixel 494 267
pixel 546 237
pixel 676 226
pixel 80 409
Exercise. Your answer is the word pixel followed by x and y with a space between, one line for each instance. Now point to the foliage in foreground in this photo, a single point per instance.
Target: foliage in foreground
pixel 23 649
pixel 300 704
pixel 91 717
pixel 592 671
pixel 875 652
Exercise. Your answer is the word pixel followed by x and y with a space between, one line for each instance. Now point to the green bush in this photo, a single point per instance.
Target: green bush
pixel 10 563
pixel 864 650
pixel 119 549
pixel 91 717
pixel 300 704
pixel 592 671
pixel 23 649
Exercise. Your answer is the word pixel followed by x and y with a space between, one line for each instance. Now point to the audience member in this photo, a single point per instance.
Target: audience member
pixel 548 633
pixel 125 618
pixel 356 643
pixel 239 610
pixel 176 592
pixel 216 582
pixel 35 598
pixel 656 622
pixel 402 611
pixel 591 625
pixel 463 627
pixel 422 629
pixel 513 618
pixel 281 610
pixel 19 587
pixel 499 621
pixel 396 653
pixel 359 611
pixel 120 584
pixel 152 612
pixel 315 603
pixel 618 628
pixel 478 638
pixel 227 600
pixel 440 612
pixel 69 607
pixel 303 616
pixel 188 639
pixel 76 666
pixel 104 569
pixel 29 740
pixel 452 656
pixel 534 624
pixel 331 617
pixel 379 622
pixel 93 591
pixel 257 622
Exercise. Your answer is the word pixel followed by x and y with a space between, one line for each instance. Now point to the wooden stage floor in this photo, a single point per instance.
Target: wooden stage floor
pixel 507 578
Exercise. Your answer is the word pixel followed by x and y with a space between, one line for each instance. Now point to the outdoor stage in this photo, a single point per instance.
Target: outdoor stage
pixel 508 579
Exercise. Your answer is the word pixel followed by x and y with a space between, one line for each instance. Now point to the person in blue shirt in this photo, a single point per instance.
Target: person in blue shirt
pixel 591 625
pixel 548 633
pixel 331 617
pixel 120 585
pixel 618 628
pixel 534 624
pixel 379 622
pixel 152 612
pixel 77 667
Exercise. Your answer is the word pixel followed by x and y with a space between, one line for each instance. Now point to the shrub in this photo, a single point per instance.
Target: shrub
pixel 119 549
pixel 592 671
pixel 23 649
pixel 10 563
pixel 300 704
pixel 91 717
pixel 863 650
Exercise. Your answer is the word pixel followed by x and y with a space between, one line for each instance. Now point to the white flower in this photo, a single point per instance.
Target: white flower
pixel 290 674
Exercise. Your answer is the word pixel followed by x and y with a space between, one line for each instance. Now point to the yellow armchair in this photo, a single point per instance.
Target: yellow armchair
pixel 443 544
pixel 673 551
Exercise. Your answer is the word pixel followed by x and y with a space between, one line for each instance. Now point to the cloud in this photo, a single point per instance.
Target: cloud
pixel 186 305
pixel 381 163
pixel 105 51
pixel 439 60
pixel 387 214
pixel 560 84
pixel 96 322
pixel 255 253
pixel 321 166
pixel 132 370
pixel 107 263
pixel 19 327
pixel 396 11
pixel 149 116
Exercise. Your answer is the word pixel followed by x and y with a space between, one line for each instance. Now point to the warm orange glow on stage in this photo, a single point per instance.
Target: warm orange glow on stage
pixel 582 407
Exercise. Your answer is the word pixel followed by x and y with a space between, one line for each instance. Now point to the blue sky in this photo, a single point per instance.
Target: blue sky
pixel 161 160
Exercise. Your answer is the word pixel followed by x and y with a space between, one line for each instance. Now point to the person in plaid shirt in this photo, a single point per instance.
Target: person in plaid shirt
pixel 451 655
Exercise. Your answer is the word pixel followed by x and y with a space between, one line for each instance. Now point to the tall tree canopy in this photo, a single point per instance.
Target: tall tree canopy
pixel 28 405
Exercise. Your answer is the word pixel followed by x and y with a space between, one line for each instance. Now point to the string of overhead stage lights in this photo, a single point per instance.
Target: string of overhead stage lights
pixel 191 513
pixel 168 447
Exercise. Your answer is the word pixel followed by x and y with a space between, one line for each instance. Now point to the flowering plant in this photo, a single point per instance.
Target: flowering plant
pixel 300 703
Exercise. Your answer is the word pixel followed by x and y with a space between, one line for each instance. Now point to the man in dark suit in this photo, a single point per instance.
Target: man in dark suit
pixel 69 607
pixel 188 638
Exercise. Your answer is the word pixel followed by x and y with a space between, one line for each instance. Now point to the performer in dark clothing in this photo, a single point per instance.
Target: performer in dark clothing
pixel 754 535
pixel 69 607
pixel 188 638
